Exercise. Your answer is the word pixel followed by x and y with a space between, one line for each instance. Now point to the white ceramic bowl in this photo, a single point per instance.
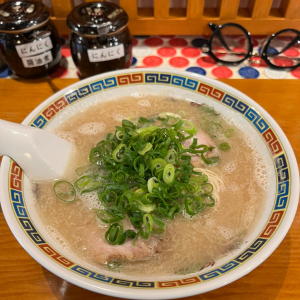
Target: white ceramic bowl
pixel 277 217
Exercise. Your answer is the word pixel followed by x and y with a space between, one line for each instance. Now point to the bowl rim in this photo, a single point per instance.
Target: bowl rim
pixel 167 293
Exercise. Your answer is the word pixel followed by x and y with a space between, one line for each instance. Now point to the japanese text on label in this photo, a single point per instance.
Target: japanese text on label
pixel 37 60
pixel 34 48
pixel 105 54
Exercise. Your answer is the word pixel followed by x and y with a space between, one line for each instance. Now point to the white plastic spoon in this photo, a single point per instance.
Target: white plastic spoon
pixel 41 154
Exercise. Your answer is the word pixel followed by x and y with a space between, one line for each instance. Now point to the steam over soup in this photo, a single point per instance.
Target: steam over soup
pixel 158 186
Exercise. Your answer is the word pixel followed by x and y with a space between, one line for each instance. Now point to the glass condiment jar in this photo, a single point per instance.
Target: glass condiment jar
pixel 100 39
pixel 29 41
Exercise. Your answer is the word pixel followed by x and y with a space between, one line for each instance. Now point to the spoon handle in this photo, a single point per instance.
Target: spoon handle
pixel 41 154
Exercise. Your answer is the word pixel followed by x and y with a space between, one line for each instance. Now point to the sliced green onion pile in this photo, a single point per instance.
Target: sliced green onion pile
pixel 143 172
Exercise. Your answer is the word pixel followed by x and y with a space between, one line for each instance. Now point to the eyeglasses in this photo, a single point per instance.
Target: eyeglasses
pixel 231 44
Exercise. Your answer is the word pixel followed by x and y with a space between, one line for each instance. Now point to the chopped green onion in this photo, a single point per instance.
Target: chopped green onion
pixel 119 135
pixel 211 160
pixel 129 198
pixel 114 234
pixel 140 192
pixel 144 130
pixel 152 182
pixel 142 120
pixel 158 222
pixel 107 197
pixel 147 147
pixel 229 133
pixel 135 238
pixel 88 183
pixel 86 169
pixel 169 173
pixel 117 153
pixel 172 121
pixel 169 114
pixel 147 218
pixel 157 231
pixel 64 191
pixel 115 265
pixel 127 234
pixel 171 156
pixel 188 127
pixel 147 208
pixel 178 125
pixel 145 199
pixel 92 187
pixel 95 155
pixel 224 146
pixel 195 185
pixel 201 177
pixel 107 217
pixel 208 200
pixel 120 176
pixel 119 187
pixel 157 163
pixel 207 188
pixel 193 205
pixel 148 223
pixel 128 125
pixel 83 181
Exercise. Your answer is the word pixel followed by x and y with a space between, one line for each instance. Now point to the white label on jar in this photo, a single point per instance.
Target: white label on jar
pixel 34 48
pixel 37 60
pixel 105 54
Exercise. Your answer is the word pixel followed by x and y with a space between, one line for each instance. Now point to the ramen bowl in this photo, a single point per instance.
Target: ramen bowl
pixel 276 218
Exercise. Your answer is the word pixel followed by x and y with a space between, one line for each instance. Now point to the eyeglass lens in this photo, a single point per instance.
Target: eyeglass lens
pixel 230 44
pixel 284 49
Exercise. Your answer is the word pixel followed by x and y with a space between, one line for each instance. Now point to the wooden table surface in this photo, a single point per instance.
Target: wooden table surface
pixel 21 277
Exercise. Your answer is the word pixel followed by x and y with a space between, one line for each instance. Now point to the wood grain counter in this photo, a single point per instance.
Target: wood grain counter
pixel 22 278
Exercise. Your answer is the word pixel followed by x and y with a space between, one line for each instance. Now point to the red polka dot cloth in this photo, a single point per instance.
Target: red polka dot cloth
pixel 185 53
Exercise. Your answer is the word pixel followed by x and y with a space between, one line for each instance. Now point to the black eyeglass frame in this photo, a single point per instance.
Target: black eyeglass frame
pixel 207 48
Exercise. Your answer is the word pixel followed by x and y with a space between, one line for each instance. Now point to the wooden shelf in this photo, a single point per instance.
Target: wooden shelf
pixel 258 17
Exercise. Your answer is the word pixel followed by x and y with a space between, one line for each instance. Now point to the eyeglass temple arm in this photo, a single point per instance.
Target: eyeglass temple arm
pixel 215 27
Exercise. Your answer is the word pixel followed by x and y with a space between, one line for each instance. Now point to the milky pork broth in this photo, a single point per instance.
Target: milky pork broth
pixel 239 178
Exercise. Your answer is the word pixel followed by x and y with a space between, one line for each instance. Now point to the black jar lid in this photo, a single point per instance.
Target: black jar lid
pixel 97 18
pixel 21 16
